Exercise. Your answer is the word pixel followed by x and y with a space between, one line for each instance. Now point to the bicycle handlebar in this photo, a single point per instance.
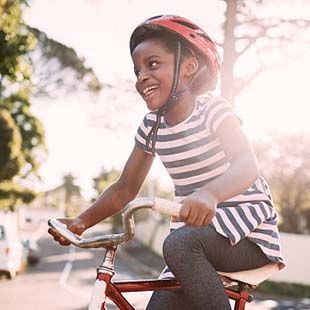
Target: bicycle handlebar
pixel 158 204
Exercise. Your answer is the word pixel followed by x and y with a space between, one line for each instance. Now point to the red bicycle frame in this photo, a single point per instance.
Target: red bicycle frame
pixel 114 290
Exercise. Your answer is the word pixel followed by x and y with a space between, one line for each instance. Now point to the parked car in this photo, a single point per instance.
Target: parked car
pixel 12 252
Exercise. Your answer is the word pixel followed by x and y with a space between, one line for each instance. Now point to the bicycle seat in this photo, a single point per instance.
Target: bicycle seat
pixel 252 277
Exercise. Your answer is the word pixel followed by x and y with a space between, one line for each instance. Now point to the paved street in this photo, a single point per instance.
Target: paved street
pixel 54 283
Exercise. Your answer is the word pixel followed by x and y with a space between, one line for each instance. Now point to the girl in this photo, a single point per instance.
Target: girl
pixel 227 221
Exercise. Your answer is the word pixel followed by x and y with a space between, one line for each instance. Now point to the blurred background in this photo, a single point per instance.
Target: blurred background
pixel 69 113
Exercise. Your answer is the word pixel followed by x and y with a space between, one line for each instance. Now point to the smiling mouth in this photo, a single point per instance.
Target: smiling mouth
pixel 149 91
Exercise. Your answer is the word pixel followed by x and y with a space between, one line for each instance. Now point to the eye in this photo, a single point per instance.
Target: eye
pixel 153 64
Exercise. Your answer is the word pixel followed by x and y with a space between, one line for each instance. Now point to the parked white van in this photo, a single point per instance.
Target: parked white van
pixel 12 258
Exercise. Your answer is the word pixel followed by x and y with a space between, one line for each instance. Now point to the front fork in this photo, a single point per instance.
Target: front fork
pixel 105 273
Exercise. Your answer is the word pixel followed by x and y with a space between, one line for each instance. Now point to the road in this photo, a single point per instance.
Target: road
pixel 62 280
pixel 64 277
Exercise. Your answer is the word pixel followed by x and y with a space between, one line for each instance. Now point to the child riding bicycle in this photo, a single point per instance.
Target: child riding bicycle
pixel 227 220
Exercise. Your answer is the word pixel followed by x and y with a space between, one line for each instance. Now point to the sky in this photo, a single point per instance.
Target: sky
pixel 76 128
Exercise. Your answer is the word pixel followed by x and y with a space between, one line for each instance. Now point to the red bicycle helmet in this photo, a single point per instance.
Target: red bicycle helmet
pixel 190 32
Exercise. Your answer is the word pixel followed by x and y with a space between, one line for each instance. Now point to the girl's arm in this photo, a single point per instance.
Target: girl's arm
pixel 244 168
pixel 125 189
pixel 115 197
pixel 199 208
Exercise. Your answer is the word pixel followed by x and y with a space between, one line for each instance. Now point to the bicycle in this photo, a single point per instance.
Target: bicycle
pixel 238 285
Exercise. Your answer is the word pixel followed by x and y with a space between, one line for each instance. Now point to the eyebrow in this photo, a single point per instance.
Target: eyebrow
pixel 150 57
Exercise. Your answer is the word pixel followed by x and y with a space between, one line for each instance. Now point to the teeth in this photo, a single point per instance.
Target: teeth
pixel 146 89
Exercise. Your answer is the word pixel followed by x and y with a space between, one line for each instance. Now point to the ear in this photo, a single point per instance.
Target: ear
pixel 190 66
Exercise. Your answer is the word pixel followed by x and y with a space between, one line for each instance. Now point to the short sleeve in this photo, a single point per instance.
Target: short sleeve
pixel 142 133
pixel 217 111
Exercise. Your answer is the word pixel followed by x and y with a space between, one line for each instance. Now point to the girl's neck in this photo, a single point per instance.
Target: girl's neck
pixel 181 110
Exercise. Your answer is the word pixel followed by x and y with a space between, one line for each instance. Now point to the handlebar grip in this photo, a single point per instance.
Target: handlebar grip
pixel 63 230
pixel 166 206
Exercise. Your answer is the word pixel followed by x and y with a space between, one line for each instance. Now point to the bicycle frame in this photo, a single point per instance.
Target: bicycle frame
pixel 105 287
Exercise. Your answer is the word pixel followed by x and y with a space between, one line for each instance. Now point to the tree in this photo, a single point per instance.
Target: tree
pixel 58 70
pixel 248 30
pixel 101 182
pixel 10 144
pixel 20 131
pixel 11 162
pixel 22 134
pixel 71 189
pixel 285 161
pixel 72 193
pixel 104 179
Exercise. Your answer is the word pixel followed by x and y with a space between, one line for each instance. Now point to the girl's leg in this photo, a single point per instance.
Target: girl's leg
pixel 194 255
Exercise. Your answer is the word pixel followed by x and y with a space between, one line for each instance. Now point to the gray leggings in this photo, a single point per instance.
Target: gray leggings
pixel 193 255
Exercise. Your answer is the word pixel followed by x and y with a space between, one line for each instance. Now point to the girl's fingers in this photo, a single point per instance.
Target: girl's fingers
pixel 58 238
pixel 184 213
pixel 198 222
pixel 191 218
pixel 51 231
pixel 195 217
pixel 201 220
pixel 64 242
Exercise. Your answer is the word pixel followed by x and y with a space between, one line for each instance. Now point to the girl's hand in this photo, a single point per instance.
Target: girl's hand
pixel 74 224
pixel 198 209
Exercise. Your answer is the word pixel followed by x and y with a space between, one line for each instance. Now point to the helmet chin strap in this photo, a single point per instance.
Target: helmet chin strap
pixel 172 99
pixel 173 96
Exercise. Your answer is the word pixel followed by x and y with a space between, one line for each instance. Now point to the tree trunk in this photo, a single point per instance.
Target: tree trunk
pixel 229 55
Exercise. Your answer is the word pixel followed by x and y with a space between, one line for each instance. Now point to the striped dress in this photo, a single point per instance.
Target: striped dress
pixel 193 157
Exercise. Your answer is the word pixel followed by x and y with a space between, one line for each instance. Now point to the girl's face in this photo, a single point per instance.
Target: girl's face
pixel 154 66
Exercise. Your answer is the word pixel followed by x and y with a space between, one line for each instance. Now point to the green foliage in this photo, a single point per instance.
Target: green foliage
pixel 12 194
pixel 15 44
pixel 30 128
pixel 284 289
pixel 101 182
pixel 10 143
pixel 72 193
pixel 71 189
pixel 104 179
pixel 20 132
